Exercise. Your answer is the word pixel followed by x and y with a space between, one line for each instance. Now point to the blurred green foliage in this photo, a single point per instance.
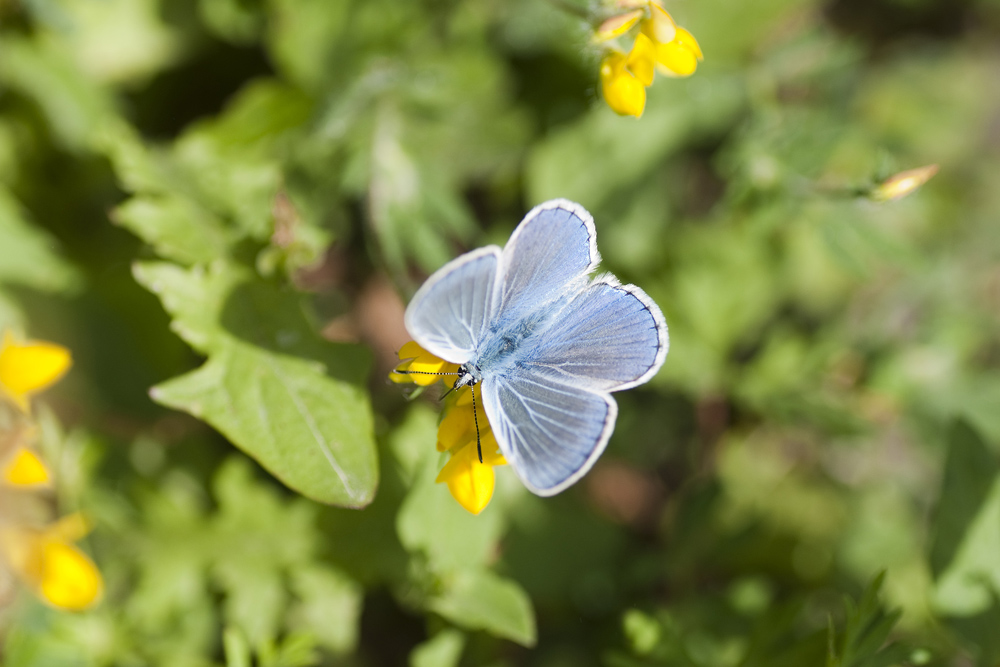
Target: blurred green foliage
pixel 194 194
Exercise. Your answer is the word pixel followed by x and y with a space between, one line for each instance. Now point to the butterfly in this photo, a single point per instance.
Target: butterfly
pixel 547 343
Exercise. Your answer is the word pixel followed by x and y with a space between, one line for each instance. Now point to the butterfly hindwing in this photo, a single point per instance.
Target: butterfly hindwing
pixel 450 312
pixel 610 337
pixel 550 432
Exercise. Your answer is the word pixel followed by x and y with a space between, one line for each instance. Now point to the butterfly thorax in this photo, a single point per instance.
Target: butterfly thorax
pixel 512 342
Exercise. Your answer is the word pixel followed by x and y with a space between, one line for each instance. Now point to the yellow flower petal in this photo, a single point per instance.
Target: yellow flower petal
pixel 27 368
pixel 60 573
pixel 641 61
pixel 69 579
pixel 425 368
pixel 411 350
pixel 660 26
pixel 464 395
pixel 616 26
pixel 455 427
pixel 675 60
pixel 70 528
pixel 491 450
pixel 470 482
pixel 623 92
pixel 459 424
pixel 25 469
pixel 680 57
pixel 687 40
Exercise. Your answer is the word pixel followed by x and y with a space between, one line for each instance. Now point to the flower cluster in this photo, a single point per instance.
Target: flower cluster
pixel 38 552
pixel 470 481
pixel 660 45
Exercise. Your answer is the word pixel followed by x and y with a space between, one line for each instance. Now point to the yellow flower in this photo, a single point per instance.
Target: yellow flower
pixel 470 481
pixel 661 45
pixel 676 51
pixel 679 57
pixel 28 368
pixel 25 468
pixel 58 572
pixel 903 183
pixel 421 367
pixel 624 93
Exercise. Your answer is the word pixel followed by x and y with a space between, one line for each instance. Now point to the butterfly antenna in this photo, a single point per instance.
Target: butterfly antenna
pixel 475 417
pixel 405 372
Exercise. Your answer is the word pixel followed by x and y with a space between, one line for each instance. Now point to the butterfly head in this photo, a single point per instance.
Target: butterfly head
pixel 469 375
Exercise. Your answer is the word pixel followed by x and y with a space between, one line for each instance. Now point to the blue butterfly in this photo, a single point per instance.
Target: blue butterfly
pixel 547 343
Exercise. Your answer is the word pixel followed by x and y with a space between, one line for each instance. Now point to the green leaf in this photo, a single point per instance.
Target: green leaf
pixel 28 255
pixel 863 643
pixel 74 106
pixel 177 228
pixel 432 522
pixel 972 579
pixel 970 471
pixel 234 162
pixel 482 600
pixel 236 648
pixel 442 650
pixel 311 431
pixel 304 38
pixel 274 388
pixel 330 607
pixel 297 650
pixel 626 149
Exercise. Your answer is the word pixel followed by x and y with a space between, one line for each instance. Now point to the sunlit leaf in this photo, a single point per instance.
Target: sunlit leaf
pixel 481 600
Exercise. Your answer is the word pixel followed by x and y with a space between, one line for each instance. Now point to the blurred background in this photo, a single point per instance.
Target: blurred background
pixel 194 194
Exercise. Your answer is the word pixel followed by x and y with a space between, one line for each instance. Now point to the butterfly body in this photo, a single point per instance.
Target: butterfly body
pixel 547 343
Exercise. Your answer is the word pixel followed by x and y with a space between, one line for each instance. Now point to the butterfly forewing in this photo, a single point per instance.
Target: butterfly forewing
pixel 550 432
pixel 450 312
pixel 550 252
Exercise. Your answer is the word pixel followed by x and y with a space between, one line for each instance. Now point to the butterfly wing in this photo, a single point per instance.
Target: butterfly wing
pixel 554 247
pixel 450 312
pixel 551 433
pixel 609 337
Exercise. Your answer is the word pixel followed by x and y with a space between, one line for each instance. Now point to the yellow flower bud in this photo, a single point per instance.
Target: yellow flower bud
pixel 903 183
pixel 616 26
pixel 660 26
pixel 624 93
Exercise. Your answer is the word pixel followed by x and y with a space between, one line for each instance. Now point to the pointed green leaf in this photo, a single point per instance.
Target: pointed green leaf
pixel 969 473
pixel 280 393
pixel 27 254
pixel 482 600
pixel 431 521
pixel 177 228
pixel 309 430
pixel 442 650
